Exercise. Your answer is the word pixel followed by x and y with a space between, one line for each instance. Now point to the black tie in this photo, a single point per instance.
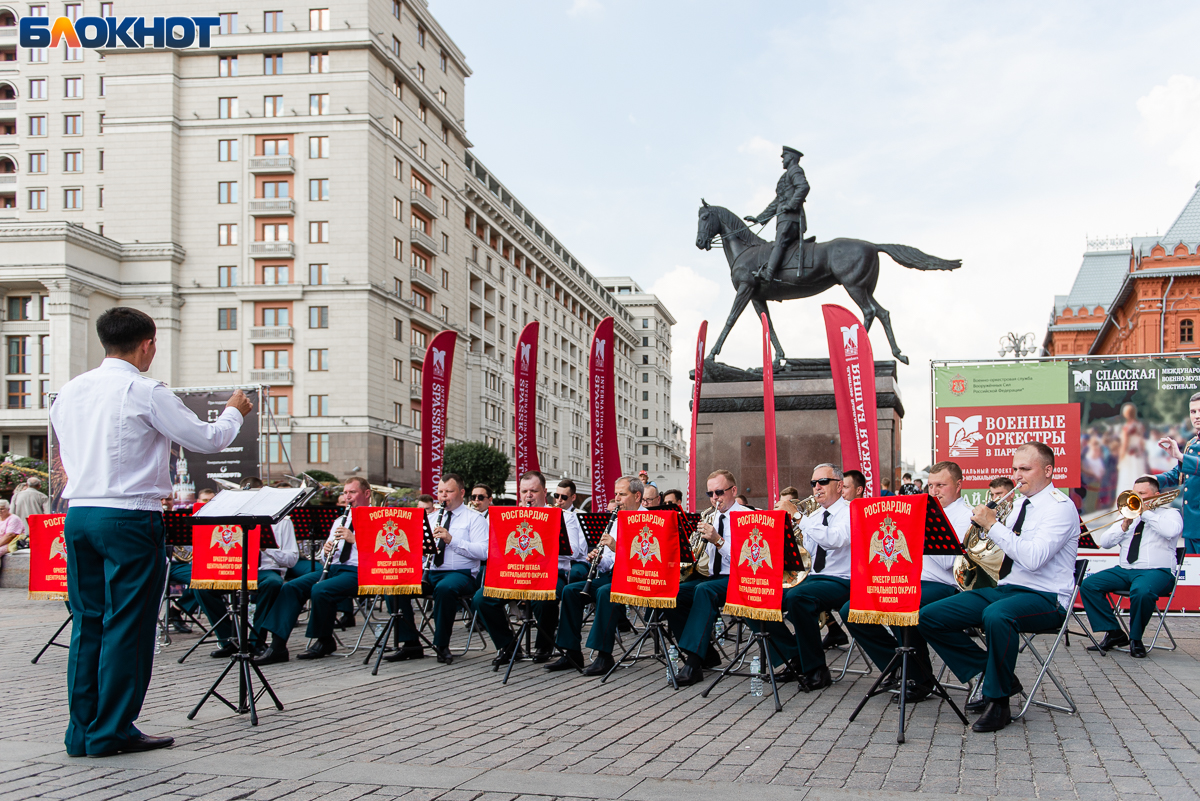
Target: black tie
pixel 1135 544
pixel 1006 565
pixel 344 556
pixel 440 557
pixel 716 562
pixel 819 559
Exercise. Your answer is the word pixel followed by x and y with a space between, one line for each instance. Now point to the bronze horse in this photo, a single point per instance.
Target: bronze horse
pixel 852 263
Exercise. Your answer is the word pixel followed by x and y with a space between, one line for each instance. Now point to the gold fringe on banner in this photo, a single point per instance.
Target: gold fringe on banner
pixel 641 600
pixel 752 612
pixel 204 584
pixel 43 595
pixel 884 618
pixel 389 589
pixel 519 595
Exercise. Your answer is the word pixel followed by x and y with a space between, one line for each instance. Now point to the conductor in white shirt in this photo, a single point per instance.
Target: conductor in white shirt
pixel 115 428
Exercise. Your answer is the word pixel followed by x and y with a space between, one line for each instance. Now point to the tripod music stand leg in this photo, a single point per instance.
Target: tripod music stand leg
pixel 763 660
pixel 203 639
pixel 523 631
pixel 51 641
pixel 381 644
pixel 267 686
pixel 244 686
pixel 730 666
pixel 213 690
pixel 874 691
pixel 903 688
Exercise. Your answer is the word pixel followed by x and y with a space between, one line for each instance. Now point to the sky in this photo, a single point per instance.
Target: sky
pixel 1002 134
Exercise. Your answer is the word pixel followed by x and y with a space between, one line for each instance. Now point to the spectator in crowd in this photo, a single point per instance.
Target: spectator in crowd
pixel 885 488
pixel 919 485
pixel 31 501
pixel 906 485
pixel 744 502
pixel 12 528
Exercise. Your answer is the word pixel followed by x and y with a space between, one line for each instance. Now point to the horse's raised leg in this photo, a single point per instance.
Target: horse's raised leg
pixel 871 309
pixel 739 305
pixel 760 307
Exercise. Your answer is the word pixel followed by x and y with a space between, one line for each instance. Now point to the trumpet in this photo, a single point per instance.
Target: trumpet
pixel 594 563
pixel 979 565
pixel 793 577
pixel 699 552
pixel 1130 505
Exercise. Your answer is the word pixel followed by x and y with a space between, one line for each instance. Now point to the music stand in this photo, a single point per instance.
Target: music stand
pixel 940 540
pixel 593 524
pixel 312 523
pixel 54 637
pixel 656 628
pixel 529 621
pixel 791 562
pixel 243 658
pixel 428 548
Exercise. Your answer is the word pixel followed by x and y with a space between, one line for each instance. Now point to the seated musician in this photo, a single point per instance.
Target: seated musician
pixel 1040 542
pixel 455 574
pixel 937 582
pixel 180 570
pixel 701 598
pixel 481 498
pixel 674 496
pixel 627 496
pixel 999 487
pixel 827 586
pixel 273 563
pixel 325 593
pixel 1145 571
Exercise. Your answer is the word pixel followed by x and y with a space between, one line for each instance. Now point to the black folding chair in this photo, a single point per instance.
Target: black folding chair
pixel 1059 633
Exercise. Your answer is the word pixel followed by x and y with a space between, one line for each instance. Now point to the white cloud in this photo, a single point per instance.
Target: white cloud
pixel 757 146
pixel 1171 119
pixel 585 8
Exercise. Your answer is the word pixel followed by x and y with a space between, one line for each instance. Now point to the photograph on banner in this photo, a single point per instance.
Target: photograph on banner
pixel 1126 406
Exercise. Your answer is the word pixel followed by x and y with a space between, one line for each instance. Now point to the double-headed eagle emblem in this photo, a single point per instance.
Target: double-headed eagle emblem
pixel 391 539
pixel 226 537
pixel 58 547
pixel 524 541
pixel 645 546
pixel 888 544
pixel 755 552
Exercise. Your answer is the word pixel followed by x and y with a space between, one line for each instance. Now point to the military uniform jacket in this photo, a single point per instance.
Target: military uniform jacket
pixel 1187 473
pixel 790 192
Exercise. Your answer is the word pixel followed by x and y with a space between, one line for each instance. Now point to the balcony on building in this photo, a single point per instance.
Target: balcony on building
pixel 414 391
pixel 272 334
pixel 264 165
pixel 272 250
pixel 426 203
pixel 417 354
pixel 424 240
pixel 272 207
pixel 424 279
pixel 273 377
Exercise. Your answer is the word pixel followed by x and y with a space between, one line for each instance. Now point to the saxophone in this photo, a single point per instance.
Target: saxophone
pixel 792 577
pixel 979 565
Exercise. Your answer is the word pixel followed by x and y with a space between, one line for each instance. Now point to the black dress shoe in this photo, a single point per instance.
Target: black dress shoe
pixel 835 637
pixel 319 649
pixel 1112 639
pixel 623 624
pixel 444 656
pixel 405 652
pixel 225 651
pixel 179 627
pixel 276 652
pixel 542 656
pixel 600 665
pixel 570 660
pixel 981 703
pixel 505 654
pixel 916 693
pixel 1137 649
pixel 995 717
pixel 689 675
pixel 143 742
pixel 817 679
pixel 791 671
pixel 346 620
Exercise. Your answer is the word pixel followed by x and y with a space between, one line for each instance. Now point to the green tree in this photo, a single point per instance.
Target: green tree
pixel 477 463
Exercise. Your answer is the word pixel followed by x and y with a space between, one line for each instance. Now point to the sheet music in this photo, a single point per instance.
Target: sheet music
pixel 265 502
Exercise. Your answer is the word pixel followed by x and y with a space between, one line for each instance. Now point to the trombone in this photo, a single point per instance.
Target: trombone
pixel 1130 505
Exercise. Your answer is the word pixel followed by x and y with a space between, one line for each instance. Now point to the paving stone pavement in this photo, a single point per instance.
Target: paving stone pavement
pixel 420 730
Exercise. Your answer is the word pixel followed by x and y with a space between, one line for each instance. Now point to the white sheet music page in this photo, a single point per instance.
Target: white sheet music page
pixel 265 502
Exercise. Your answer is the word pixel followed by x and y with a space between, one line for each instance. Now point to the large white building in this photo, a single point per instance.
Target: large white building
pixel 297 207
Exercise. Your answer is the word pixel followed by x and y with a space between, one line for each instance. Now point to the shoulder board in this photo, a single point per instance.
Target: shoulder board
pixel 1058 495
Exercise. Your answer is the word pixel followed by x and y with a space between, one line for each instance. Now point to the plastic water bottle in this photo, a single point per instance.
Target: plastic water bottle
pixel 719 629
pixel 756 682
pixel 673 657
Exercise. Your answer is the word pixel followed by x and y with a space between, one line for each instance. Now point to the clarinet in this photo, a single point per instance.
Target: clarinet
pixel 348 519
pixel 594 566
pixel 440 556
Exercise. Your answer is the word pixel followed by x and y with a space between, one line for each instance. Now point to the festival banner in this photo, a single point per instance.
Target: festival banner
pixel 523 553
pixel 769 414
pixel 982 439
pixel 435 390
pixel 693 490
pixel 887 545
pixel 217 558
pixel 47 557
pixel 391 542
pixel 756 571
pixel 646 571
pixel 853 365
pixel 525 364
pixel 606 456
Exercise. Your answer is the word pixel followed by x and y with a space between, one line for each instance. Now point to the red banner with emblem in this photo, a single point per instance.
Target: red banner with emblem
pixel 853 366
pixel 391 542
pixel 217 558
pixel 887 543
pixel 435 394
pixel 47 557
pixel 523 553
pixel 525 363
pixel 756 568
pixel 646 571
pixel 606 455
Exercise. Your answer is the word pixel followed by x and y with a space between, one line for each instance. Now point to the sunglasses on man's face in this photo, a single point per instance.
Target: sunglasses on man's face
pixel 717 493
pixel 821 481
pixel 561 497
pixel 479 497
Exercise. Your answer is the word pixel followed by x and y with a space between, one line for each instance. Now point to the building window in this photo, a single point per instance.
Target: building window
pixel 318 274
pixel 445 243
pixel 38 55
pixel 227 150
pixel 397 329
pixel 276 147
pixel 421 35
pixel 37 88
pixel 273 106
pixel 227 191
pixel 275 232
pixel 420 300
pixel 418 261
pixel 645 395
pixel 445 170
pixel 227 276
pixel 396 371
pixel 227 234
pixel 418 338
pixel 441 95
pixel 398 448
pixel 227 67
pixel 395 46
pixel 18 394
pixel 397 127
pixel 272 63
pixel 1186 331
pixel 37 125
pixel 318 232
pixel 446 134
pixel 276 316
pixel 318 448
pixel 227 107
pixel 18 354
pixel 227 361
pixel 414 375
pixel 74 54
pixel 645 323
pixel 318 189
pixel 276 275
pixel 73 199
pixel 37 199
pixel 318 62
pixel 415 422
pixel 318 405
pixel 100 119
pixel 102 86
pixel 396 9
pixel 446 285
pixel 423 113
pixel 73 161
pixel 100 200
pixel 101 157
pixel 72 124
pixel 445 316
pixel 44 350
pixel 422 150
pixel 272 21
pixel 318 316
pixel 318 147
pixel 278 448
pixel 442 61
pixel 228 23
pixel 226 319
pixel 73 87
pixel 395 167
pixel 274 360
pixel 318 20
pixel 318 105
pixel 275 189
pixel 397 248
pixel 318 359
pixel 419 222
pixel 645 359
pixel 645 378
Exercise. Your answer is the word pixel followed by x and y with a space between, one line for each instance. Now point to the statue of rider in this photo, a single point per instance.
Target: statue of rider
pixel 788 210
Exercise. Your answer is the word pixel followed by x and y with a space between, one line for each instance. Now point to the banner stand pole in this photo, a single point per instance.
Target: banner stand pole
pixel 54 637
pixel 657 631
pixel 763 641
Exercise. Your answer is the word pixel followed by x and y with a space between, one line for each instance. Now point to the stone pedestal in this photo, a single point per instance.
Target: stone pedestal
pixel 729 431
pixel 14 571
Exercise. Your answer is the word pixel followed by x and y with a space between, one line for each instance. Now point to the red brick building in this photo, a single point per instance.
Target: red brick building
pixel 1141 298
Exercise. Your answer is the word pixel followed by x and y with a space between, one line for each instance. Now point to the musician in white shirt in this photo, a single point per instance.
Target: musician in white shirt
pixel 1040 540
pixel 455 571
pixel 1145 571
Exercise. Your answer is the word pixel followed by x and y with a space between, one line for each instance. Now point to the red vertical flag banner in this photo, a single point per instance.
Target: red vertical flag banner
pixel 756 573
pixel 887 544
pixel 47 557
pixel 853 366
pixel 606 456
pixel 769 415
pixel 700 344
pixel 217 558
pixel 523 553
pixel 646 571
pixel 525 363
pixel 435 390
pixel 390 547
